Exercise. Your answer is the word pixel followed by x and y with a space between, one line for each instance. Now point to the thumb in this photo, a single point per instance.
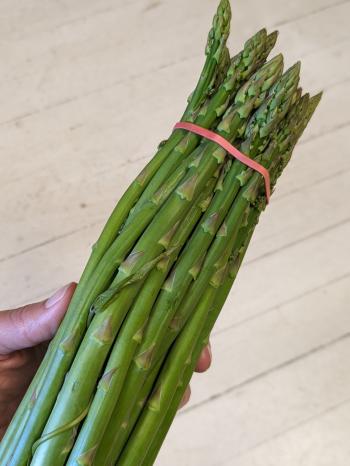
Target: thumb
pixel 35 323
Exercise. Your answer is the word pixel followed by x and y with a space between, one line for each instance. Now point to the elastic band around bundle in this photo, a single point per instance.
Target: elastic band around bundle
pixel 233 151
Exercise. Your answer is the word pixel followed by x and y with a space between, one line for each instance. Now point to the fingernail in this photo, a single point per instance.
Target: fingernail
pixel 56 297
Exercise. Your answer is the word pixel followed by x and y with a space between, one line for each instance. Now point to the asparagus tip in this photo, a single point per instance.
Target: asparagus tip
pixel 223 16
pixel 262 31
pixel 225 7
pixel 313 104
pixel 291 77
pixel 278 59
pixel 272 37
pixel 220 30
pixel 271 40
pixel 296 67
pixel 316 99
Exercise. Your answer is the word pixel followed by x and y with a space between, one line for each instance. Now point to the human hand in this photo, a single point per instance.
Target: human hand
pixel 24 337
pixel 203 365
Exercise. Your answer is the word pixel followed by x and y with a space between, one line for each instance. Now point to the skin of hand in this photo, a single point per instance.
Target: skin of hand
pixel 24 337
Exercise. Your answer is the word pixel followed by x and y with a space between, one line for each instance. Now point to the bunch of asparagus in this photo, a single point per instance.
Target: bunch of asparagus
pixel 114 375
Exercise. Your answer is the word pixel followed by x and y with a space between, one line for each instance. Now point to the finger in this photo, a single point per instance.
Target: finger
pixel 33 324
pixel 186 397
pixel 204 360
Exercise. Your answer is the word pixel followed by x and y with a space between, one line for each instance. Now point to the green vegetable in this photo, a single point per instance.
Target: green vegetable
pixel 113 377
pixel 286 140
pixel 111 383
pixel 181 276
pixel 31 417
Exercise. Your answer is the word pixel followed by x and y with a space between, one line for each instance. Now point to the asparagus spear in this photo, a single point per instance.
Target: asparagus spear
pixel 246 99
pixel 42 400
pixel 256 86
pixel 109 451
pixel 280 98
pixel 128 339
pixel 203 91
pixel 244 103
pixel 105 264
pixel 255 52
pixel 220 298
pixel 179 358
pixel 146 427
pixel 286 140
pixel 244 239
pixel 216 51
pixel 92 424
pixel 255 145
pixel 74 395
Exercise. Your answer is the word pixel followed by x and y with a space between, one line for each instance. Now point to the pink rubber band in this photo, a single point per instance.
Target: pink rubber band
pixel 214 137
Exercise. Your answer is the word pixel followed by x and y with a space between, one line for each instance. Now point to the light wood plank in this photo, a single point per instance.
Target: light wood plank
pixel 48 41
pixel 275 337
pixel 322 441
pixel 219 432
pixel 292 271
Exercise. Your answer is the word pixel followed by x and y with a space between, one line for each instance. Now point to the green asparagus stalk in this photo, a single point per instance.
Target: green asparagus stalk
pixel 216 62
pixel 171 183
pixel 112 380
pixel 179 358
pixel 245 101
pixel 138 246
pixel 104 456
pixel 237 115
pixel 222 201
pixel 146 427
pixel 102 275
pixel 74 396
pixel 280 98
pixel 42 401
pixel 119 440
pixel 216 52
pixel 254 149
pixel 220 298
pixel 143 397
pixel 287 138
pixel 107 260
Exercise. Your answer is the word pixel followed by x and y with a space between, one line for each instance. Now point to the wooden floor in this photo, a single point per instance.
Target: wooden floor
pixel 87 90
